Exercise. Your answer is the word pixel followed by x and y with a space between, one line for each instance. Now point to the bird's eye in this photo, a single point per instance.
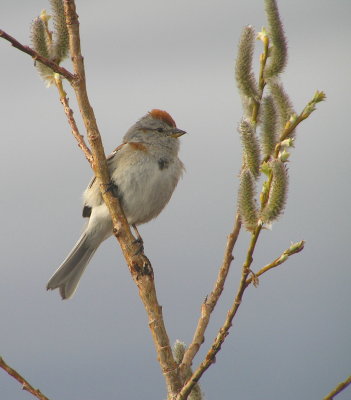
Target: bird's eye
pixel 160 130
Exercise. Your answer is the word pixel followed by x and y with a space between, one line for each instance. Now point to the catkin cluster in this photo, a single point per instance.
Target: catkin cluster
pixel 265 117
pixel 53 45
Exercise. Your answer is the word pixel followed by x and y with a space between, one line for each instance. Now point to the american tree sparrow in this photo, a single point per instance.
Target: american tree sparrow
pixel 144 170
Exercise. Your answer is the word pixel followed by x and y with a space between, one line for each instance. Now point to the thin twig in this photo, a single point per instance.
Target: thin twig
pixel 139 265
pixel 211 301
pixel 339 388
pixel 37 57
pixel 278 261
pixel 72 122
pixel 19 378
pixel 224 330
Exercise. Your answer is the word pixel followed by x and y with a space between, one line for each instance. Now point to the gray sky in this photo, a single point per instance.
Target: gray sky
pixel 291 339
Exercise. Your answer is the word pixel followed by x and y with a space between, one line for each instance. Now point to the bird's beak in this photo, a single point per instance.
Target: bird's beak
pixel 176 133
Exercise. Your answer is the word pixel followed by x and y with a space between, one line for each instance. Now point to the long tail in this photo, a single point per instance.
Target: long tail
pixel 67 276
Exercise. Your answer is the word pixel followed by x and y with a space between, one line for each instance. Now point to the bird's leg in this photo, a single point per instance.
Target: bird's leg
pixel 138 240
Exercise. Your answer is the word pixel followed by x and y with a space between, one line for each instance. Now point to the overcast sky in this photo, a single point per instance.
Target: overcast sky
pixel 291 339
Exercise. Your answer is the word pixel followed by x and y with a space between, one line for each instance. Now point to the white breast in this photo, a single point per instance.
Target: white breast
pixel 144 185
pixel 146 188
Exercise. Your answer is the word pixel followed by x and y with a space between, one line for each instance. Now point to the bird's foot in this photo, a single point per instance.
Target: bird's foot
pixel 138 240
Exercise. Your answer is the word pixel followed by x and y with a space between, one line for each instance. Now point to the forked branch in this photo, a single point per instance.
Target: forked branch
pixel 37 57
pixel 224 330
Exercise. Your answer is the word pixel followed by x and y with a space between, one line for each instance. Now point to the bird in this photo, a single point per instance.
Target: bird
pixel 144 170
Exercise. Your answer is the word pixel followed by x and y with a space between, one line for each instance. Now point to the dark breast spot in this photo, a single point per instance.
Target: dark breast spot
pixel 86 212
pixel 163 163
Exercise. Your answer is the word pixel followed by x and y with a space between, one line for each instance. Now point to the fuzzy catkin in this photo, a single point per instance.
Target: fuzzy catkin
pixel 278 192
pixel 282 103
pixel 269 126
pixel 178 354
pixel 60 46
pixel 40 42
pixel 243 68
pixel 247 200
pixel 279 50
pixel 251 147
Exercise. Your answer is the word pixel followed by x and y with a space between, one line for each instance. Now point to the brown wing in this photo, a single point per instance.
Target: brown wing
pixel 115 151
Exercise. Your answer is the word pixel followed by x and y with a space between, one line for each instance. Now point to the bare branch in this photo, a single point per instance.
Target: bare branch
pixel 224 330
pixel 211 301
pixel 293 249
pixel 37 57
pixel 19 378
pixel 339 388
pixel 72 122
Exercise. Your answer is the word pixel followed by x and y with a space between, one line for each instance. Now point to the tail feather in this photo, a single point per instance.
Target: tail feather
pixel 67 276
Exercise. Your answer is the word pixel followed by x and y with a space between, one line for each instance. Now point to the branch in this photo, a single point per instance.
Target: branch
pixel 72 122
pixel 25 384
pixel 293 249
pixel 305 113
pixel 339 388
pixel 224 330
pixel 244 283
pixel 211 301
pixel 138 264
pixel 37 57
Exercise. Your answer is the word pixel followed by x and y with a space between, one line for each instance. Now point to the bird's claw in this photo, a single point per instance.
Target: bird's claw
pixel 140 250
